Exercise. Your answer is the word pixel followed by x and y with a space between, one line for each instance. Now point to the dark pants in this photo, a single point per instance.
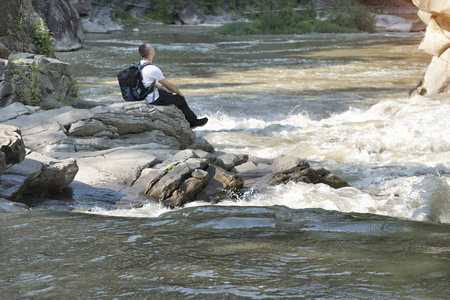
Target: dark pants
pixel 167 99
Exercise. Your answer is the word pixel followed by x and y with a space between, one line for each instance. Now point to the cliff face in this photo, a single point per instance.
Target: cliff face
pixel 63 20
pixel 436 14
pixel 60 16
pixel 16 15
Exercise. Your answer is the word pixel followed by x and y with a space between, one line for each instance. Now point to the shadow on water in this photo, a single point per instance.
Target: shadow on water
pixel 79 195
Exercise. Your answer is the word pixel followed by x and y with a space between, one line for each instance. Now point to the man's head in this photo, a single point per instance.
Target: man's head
pixel 146 50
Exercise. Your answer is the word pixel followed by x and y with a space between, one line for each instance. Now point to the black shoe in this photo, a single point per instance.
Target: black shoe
pixel 199 122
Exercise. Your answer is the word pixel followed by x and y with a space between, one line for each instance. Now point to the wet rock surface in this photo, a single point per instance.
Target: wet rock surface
pixel 109 155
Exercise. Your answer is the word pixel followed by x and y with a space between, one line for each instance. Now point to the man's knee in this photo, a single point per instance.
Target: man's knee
pixel 179 101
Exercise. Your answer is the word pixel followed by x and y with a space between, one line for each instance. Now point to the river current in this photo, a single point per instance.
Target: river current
pixel 338 100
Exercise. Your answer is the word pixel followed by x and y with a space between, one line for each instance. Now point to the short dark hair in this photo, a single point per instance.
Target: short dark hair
pixel 144 49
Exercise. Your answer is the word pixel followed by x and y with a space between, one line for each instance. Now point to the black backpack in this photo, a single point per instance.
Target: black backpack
pixel 130 82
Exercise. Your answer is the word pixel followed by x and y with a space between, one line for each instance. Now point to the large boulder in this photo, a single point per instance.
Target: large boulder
pixel 436 14
pixel 63 20
pixel 31 174
pixel 119 125
pixel 36 80
pixel 11 144
pixel 54 175
pixel 37 175
pixel 138 122
pixel 186 176
pixel 188 15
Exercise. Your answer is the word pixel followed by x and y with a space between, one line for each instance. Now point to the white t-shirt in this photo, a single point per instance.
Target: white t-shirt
pixel 151 73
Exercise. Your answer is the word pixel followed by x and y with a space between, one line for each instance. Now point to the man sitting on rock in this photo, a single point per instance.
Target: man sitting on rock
pixel 168 93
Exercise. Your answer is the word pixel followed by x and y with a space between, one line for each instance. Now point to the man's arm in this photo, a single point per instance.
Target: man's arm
pixel 163 88
pixel 170 86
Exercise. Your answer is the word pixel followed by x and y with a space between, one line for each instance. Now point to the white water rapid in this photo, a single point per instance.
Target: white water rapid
pixel 339 101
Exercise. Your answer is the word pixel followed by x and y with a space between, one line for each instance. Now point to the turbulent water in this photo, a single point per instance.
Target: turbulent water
pixel 340 101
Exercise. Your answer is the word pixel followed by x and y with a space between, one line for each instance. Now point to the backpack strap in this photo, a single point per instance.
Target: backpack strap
pixel 152 86
pixel 141 66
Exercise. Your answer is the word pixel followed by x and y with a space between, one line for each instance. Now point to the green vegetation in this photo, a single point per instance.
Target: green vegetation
pixel 351 14
pixel 170 168
pixel 31 86
pixel 340 16
pixel 239 28
pixel 266 16
pixel 44 39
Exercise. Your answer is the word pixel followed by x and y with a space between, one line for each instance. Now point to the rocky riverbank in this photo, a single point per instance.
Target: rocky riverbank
pixel 128 154
pixel 123 154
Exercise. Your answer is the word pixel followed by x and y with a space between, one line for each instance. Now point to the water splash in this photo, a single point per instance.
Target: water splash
pixel 394 154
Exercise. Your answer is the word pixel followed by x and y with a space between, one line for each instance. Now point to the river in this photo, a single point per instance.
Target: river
pixel 338 100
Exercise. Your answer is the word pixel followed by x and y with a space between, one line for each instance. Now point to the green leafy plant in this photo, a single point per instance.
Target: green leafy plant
pixel 33 87
pixel 30 85
pixel 44 39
